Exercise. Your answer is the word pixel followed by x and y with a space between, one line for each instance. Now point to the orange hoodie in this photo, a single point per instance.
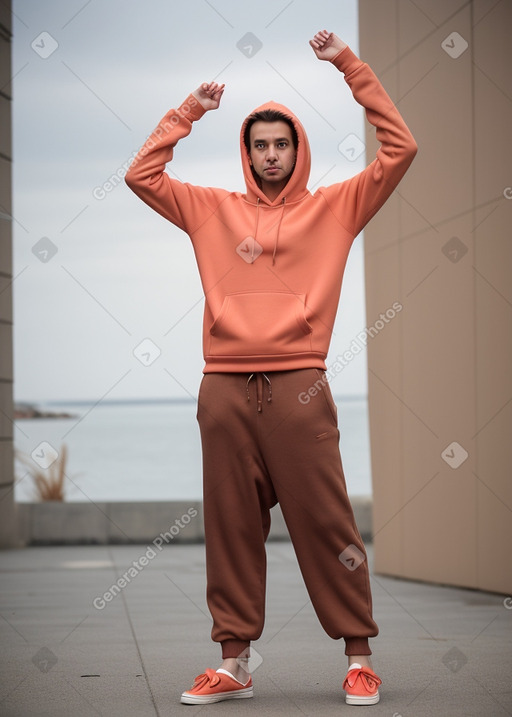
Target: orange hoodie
pixel 272 270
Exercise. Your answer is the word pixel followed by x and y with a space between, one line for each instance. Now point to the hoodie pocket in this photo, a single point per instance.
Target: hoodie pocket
pixel 261 323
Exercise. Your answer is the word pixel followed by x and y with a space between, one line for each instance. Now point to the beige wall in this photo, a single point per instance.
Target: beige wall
pixel 8 527
pixel 440 372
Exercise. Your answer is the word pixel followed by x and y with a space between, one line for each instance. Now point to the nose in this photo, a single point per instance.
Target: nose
pixel 271 152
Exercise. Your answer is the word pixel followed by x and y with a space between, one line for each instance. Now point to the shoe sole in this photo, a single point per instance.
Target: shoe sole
pixel 187 699
pixel 355 700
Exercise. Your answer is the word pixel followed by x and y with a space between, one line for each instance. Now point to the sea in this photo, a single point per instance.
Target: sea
pixel 149 450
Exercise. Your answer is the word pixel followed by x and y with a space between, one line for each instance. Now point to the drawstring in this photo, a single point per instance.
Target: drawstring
pixel 255 229
pixel 269 399
pixel 278 228
pixel 253 243
pixel 247 386
pixel 259 388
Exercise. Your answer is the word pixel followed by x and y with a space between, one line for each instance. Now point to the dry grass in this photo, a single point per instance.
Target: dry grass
pixel 49 484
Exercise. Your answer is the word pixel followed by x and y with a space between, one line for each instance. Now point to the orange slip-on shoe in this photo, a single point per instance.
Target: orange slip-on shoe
pixel 214 686
pixel 361 685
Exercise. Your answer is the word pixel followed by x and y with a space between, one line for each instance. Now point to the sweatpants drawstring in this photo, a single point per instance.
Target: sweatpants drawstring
pixel 259 388
pixel 269 382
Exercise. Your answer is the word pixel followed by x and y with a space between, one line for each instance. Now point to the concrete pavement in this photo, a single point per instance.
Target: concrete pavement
pixel 441 651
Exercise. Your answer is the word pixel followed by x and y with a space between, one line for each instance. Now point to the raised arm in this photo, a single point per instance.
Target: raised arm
pixel 356 200
pixel 182 204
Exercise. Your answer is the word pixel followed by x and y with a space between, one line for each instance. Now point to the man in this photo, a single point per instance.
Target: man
pixel 271 263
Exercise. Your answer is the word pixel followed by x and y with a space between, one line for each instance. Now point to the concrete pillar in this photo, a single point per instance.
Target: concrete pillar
pixel 8 523
pixel 440 379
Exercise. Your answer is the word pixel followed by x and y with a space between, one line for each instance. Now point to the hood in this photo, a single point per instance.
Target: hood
pixel 296 187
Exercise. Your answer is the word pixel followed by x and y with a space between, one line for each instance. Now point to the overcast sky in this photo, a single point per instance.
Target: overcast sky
pixel 97 271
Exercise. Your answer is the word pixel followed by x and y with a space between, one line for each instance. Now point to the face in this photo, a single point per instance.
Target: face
pixel 272 155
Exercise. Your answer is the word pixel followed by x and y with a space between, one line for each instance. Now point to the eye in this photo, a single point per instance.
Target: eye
pixel 282 145
pixel 259 145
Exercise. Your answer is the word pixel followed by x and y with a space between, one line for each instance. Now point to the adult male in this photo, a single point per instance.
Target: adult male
pixel 271 262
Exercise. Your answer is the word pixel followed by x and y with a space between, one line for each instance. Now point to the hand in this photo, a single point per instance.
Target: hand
pixel 326 45
pixel 209 94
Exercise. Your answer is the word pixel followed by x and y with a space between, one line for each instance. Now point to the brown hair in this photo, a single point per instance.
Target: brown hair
pixel 268 116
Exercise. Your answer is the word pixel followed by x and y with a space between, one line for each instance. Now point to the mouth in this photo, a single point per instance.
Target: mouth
pixel 271 170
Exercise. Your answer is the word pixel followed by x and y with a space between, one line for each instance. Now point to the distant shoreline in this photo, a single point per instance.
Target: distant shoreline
pixel 28 410
pixel 36 405
pixel 41 409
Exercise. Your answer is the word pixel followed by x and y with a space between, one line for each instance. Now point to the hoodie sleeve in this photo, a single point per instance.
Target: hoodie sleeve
pixel 356 200
pixel 185 205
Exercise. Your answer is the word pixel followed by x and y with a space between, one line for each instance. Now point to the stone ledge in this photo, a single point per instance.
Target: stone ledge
pixel 122 523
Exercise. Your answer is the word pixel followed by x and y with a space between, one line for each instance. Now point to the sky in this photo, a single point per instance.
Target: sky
pixel 96 271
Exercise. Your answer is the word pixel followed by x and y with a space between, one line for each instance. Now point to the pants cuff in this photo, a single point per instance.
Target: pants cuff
pixel 357 646
pixel 235 648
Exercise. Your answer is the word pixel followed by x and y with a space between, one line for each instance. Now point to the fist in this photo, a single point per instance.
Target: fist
pixel 209 94
pixel 326 45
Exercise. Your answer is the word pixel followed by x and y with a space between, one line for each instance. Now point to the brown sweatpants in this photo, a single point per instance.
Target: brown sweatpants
pixel 267 438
